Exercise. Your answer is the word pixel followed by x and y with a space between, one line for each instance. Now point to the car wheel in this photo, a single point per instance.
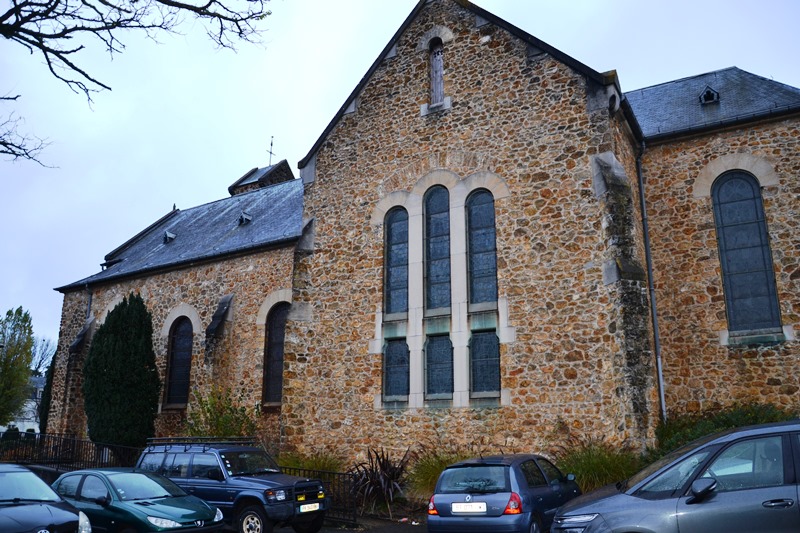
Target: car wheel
pixel 253 520
pixel 536 527
pixel 312 526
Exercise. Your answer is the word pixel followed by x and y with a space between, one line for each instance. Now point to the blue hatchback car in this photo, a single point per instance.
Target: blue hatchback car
pixel 500 494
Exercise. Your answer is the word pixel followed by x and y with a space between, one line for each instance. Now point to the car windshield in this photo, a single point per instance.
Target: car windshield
pixel 24 486
pixel 667 459
pixel 141 486
pixel 249 463
pixel 474 479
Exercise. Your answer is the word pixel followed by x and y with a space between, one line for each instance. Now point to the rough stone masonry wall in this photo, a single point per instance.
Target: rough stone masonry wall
pixel 526 120
pixel 701 373
pixel 236 362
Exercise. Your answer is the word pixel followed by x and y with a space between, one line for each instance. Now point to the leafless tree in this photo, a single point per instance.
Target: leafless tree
pixel 58 30
pixel 41 354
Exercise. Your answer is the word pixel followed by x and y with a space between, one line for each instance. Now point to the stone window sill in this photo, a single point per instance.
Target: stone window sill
pixel 429 109
pixel 753 337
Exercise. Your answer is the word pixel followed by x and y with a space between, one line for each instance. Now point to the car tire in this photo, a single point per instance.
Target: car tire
pixel 536 526
pixel 253 520
pixel 312 526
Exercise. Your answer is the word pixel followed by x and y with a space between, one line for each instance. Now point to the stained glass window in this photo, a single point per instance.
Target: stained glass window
pixel 437 248
pixel 482 251
pixel 180 362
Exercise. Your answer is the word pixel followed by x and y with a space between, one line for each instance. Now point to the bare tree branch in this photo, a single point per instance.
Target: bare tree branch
pixel 58 30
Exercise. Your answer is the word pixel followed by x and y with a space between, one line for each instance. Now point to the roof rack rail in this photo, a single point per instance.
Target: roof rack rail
pixel 205 442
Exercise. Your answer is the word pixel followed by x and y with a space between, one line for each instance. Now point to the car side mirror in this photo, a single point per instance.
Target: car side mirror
pixel 103 501
pixel 700 489
pixel 215 474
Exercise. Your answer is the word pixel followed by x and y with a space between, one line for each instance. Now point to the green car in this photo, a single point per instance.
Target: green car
pixel 125 500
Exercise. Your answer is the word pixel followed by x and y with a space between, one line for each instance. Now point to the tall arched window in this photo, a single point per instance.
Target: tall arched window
pixel 180 362
pixel 481 247
pixel 437 71
pixel 437 248
pixel 744 252
pixel 273 353
pixel 396 262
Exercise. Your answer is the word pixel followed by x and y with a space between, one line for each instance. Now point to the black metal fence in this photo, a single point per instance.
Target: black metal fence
pixel 62 453
pixel 339 486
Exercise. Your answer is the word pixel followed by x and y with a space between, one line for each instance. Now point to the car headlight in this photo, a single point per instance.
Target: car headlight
pixel 163 522
pixel 218 515
pixel 276 495
pixel 575 523
pixel 83 523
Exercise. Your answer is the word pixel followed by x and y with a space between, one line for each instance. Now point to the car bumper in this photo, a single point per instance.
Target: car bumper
pixel 480 524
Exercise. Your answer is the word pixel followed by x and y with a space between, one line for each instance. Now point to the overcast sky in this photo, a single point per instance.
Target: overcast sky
pixel 185 120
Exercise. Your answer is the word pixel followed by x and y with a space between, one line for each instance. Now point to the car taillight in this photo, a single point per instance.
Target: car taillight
pixel 432 507
pixel 514 505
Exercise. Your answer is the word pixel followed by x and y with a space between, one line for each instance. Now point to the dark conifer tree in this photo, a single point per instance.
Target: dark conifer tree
pixel 120 379
pixel 44 403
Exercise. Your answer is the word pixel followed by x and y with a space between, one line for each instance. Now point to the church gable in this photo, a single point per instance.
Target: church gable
pixel 439 36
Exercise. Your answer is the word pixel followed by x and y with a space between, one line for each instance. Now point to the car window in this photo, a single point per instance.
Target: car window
pixel 68 486
pixel 249 462
pixel 550 470
pixel 673 478
pixel 140 486
pixel 177 464
pixel 748 464
pixel 93 488
pixel 202 464
pixel 24 485
pixel 151 462
pixel 474 479
pixel 532 474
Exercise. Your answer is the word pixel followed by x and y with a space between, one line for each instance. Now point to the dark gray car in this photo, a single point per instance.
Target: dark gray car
pixel 738 481
pixel 516 493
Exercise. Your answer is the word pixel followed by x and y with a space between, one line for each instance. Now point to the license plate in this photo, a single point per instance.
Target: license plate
pixel 470 507
pixel 308 507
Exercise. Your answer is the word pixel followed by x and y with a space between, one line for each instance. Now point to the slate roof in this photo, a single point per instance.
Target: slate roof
pixel 674 108
pixel 209 231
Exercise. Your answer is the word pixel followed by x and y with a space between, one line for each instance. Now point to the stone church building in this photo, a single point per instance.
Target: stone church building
pixel 491 244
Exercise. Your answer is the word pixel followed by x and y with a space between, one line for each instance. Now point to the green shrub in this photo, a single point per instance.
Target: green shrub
pixel 380 479
pixel 596 463
pixel 677 431
pixel 320 460
pixel 220 415
pixel 427 462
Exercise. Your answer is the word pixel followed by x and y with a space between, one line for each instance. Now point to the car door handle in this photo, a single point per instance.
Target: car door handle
pixel 778 504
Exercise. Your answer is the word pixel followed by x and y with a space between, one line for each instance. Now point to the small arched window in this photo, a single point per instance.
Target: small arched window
pixel 484 354
pixel 396 262
pixel 437 248
pixel 273 353
pixel 437 71
pixel 180 362
pixel 438 367
pixel 396 363
pixel 744 252
pixel 481 247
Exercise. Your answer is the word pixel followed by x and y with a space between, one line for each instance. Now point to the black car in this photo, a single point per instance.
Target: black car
pixel 742 480
pixel 242 480
pixel 27 504
pixel 516 493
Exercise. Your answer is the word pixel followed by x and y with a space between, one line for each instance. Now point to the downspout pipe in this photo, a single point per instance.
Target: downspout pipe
pixel 650 285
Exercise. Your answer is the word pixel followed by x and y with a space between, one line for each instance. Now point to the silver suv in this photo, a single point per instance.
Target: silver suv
pixel 242 480
pixel 739 481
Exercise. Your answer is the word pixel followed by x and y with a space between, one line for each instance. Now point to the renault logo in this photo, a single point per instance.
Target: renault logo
pixel 199 523
pixel 43 531
pixel 468 498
